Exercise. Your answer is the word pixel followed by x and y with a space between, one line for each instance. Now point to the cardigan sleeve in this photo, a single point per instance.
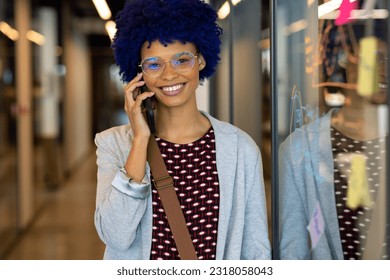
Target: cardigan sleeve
pixel 120 202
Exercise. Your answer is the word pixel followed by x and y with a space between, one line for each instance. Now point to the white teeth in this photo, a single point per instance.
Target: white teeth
pixel 172 88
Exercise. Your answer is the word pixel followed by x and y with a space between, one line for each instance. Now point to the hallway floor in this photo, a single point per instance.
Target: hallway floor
pixel 64 228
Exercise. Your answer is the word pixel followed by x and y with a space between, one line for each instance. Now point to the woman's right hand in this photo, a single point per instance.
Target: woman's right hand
pixel 133 106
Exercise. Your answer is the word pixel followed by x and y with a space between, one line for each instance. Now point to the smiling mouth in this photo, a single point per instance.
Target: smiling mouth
pixel 172 89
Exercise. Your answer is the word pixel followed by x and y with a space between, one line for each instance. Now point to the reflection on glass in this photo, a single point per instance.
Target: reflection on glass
pixel 332 170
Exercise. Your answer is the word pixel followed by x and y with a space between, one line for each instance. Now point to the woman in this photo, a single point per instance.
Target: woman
pixel 217 168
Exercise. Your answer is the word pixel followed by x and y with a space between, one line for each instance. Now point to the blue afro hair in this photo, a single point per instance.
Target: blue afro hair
pixel 191 21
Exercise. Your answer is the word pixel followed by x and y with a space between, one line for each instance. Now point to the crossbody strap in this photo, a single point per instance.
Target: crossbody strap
pixel 164 185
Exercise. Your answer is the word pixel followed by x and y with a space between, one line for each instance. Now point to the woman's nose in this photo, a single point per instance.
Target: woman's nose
pixel 169 72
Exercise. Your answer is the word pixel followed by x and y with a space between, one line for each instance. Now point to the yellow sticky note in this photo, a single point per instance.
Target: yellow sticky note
pixel 367 83
pixel 358 193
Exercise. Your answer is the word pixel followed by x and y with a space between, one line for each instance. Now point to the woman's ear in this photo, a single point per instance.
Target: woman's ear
pixel 202 62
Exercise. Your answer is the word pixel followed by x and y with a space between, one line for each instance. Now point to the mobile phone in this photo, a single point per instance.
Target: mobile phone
pixel 149 113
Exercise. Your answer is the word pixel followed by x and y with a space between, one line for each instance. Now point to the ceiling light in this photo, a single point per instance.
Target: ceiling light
pixel 111 29
pixel 330 7
pixel 102 8
pixel 36 37
pixel 8 31
pixel 224 11
pixel 360 14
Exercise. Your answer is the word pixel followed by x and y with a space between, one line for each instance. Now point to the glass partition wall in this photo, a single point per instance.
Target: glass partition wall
pixel 330 129
pixel 239 90
pixel 8 127
pixel 29 89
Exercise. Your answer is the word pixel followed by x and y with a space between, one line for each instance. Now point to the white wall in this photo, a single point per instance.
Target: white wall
pixel 77 111
pixel 202 96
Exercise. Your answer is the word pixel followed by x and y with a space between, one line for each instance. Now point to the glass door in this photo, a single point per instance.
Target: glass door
pixel 330 129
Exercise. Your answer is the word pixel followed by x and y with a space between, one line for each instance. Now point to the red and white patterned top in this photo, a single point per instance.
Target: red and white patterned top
pixel 194 172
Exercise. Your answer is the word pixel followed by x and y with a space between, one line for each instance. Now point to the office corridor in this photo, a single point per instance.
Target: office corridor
pixel 63 229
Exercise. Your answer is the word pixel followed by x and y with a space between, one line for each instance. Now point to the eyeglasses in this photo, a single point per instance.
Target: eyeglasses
pixel 181 62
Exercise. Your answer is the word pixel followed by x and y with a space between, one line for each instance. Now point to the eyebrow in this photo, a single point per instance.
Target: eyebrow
pixel 193 53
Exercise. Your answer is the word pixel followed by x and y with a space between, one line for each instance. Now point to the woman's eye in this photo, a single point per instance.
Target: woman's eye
pixel 153 66
pixel 182 60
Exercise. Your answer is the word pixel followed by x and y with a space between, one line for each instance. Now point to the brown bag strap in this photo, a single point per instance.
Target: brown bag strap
pixel 164 185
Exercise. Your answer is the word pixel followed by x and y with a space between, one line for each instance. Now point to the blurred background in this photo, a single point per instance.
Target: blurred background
pixel 59 86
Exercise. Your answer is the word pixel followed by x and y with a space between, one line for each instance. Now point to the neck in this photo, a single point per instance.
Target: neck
pixel 359 123
pixel 179 125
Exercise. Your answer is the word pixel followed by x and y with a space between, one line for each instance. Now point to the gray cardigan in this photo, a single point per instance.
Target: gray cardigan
pixel 306 177
pixel 123 216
